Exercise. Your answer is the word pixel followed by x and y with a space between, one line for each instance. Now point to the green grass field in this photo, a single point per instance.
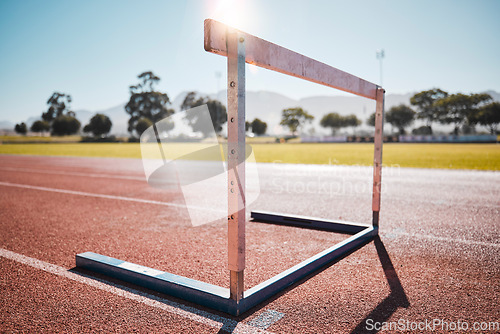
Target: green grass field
pixel 39 139
pixel 453 156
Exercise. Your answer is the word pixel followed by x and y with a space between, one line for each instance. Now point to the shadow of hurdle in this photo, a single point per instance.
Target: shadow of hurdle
pixel 397 298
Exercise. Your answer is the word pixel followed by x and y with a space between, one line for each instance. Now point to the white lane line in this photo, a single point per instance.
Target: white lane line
pixel 82 193
pixel 266 319
pixel 104 176
pixel 120 198
pixel 139 200
pixel 184 311
pixel 452 240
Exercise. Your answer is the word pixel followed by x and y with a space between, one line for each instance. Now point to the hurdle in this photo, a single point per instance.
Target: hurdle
pixel 240 48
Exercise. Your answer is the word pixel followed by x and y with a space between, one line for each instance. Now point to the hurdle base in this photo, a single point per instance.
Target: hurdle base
pixel 216 297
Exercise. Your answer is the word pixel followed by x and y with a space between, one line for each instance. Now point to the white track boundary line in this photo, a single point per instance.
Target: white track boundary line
pixel 139 200
pixel 437 238
pixel 83 193
pixel 184 311
pixel 113 197
pixel 104 176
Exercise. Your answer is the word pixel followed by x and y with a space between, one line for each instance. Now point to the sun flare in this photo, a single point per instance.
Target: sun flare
pixel 234 13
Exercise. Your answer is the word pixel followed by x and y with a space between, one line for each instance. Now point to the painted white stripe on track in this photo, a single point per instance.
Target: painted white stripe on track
pixel 120 198
pixel 452 240
pixel 104 176
pixel 139 200
pixel 184 311
pixel 82 193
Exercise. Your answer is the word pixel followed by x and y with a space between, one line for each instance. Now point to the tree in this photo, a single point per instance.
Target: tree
pixel 40 126
pixel 334 121
pixel 99 125
pixel 142 124
pixel 259 127
pixel 21 128
pixel 58 106
pixel 371 120
pixel 478 101
pixel 65 125
pixel 353 121
pixel 422 130
pixel 426 106
pixel 60 118
pixel 217 110
pixel 460 109
pixel 489 115
pixel 147 103
pixel 294 118
pixel 400 116
pixel 248 126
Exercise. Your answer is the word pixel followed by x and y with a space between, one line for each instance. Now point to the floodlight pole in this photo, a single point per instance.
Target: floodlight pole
pixel 236 161
pixel 380 56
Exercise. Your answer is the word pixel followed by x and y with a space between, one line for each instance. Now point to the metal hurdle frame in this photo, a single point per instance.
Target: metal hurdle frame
pixel 241 48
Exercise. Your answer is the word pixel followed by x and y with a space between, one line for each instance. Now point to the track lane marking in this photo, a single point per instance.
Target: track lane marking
pixel 104 176
pixel 139 200
pixel 83 193
pixel 437 238
pixel 184 311
pixel 113 197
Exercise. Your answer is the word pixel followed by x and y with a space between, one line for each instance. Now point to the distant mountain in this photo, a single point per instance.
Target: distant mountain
pixel 7 125
pixel 494 95
pixel 118 117
pixel 82 115
pixel 267 106
pixel 117 114
pixel 263 104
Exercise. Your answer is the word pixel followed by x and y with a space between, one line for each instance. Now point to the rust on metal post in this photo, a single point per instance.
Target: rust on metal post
pixel 236 160
pixel 236 289
pixel 377 157
pixel 265 54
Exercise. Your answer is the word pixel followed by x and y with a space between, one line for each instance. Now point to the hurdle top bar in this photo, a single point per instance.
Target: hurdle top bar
pixel 265 54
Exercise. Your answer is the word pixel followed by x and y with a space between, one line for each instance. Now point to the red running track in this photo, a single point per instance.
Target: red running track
pixel 436 259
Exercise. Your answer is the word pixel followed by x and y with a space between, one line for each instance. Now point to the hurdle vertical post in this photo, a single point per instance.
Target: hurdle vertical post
pixel 377 155
pixel 236 161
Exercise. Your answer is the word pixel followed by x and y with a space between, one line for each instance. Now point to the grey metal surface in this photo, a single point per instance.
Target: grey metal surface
pixel 308 222
pixel 181 287
pixel 236 161
pixel 377 155
pixel 213 296
pixel 262 53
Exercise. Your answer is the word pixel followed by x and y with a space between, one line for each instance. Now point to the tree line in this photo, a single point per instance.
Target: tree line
pixel 60 120
pixel 463 111
pixel 148 105
pixel 295 118
pixel 432 106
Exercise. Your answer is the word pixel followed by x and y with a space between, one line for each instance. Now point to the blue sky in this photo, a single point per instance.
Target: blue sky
pixel 94 50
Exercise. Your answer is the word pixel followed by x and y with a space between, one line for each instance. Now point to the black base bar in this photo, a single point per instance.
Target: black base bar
pixel 216 297
pixel 308 222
